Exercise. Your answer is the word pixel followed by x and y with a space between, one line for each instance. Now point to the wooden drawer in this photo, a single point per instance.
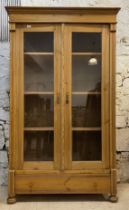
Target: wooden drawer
pixel 61 183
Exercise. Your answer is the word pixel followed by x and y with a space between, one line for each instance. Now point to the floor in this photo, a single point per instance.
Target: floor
pixel 68 202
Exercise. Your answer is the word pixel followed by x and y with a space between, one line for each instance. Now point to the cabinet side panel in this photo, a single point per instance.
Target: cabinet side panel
pixel 105 95
pixel 112 109
pixel 12 100
pixel 13 112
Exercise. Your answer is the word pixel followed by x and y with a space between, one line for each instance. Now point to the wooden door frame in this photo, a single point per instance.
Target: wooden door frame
pixel 86 165
pixel 63 61
pixel 43 165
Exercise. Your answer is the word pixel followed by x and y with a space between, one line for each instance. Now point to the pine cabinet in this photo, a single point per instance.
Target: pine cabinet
pixel 62 101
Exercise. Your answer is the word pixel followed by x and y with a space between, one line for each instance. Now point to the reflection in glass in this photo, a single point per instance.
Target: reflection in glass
pixel 39 74
pixel 86 110
pixel 93 61
pixel 38 41
pixel 39 111
pixel 86 146
pixel 86 77
pixel 86 42
pixel 38 146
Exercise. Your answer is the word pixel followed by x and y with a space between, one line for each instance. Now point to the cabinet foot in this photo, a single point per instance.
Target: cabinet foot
pixel 113 198
pixel 11 200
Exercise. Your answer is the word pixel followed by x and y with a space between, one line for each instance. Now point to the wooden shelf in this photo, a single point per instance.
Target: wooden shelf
pixel 51 93
pixel 52 128
pixel 39 129
pixel 86 129
pixel 87 93
pixel 86 53
pixel 73 53
pixel 37 93
pixel 38 53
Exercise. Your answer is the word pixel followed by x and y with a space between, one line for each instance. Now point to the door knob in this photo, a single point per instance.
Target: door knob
pixel 67 98
pixel 58 98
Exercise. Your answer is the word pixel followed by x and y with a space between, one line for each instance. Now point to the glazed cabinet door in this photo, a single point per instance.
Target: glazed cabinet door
pixel 87 97
pixel 39 97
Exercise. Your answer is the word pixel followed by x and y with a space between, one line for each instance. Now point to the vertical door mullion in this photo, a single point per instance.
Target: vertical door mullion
pixel 57 97
pixel 67 97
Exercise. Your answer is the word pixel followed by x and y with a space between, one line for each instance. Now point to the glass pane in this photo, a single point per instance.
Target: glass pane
pixel 39 111
pixel 38 41
pixel 39 95
pixel 86 110
pixel 86 77
pixel 86 96
pixel 39 74
pixel 86 80
pixel 86 146
pixel 38 146
pixel 86 42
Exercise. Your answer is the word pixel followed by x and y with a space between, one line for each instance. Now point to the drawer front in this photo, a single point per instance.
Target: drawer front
pixel 61 183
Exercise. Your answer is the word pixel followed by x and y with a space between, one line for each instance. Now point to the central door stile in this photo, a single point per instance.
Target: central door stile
pixel 57 97
pixel 67 98
pixel 62 97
